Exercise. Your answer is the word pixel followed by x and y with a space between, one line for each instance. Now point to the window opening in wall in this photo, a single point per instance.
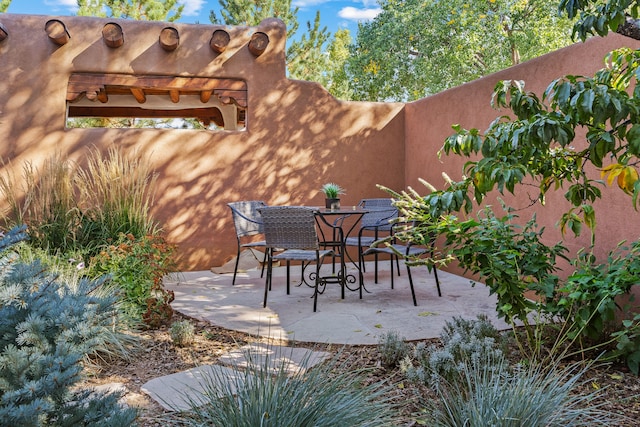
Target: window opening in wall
pixel 125 101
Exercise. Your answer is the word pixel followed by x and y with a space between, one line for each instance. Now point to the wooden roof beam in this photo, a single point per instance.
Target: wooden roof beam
pixel 174 95
pixel 139 95
pixel 57 32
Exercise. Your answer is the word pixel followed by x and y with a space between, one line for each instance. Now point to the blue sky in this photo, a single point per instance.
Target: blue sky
pixel 334 14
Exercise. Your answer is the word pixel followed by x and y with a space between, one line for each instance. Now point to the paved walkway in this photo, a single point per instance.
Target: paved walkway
pixel 211 297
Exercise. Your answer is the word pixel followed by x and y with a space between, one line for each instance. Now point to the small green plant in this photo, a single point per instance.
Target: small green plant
pixel 332 190
pixel 462 341
pixel 182 333
pixel 269 393
pixel 393 349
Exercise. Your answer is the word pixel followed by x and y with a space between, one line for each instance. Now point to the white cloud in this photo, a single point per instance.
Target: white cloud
pixel 302 4
pixel 63 3
pixel 66 4
pixel 191 7
pixel 354 14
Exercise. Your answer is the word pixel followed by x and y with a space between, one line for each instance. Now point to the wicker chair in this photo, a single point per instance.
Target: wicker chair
pixel 373 225
pixel 292 229
pixel 394 250
pixel 248 223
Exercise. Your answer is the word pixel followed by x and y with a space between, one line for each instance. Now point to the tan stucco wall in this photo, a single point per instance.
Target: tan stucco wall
pixel 298 136
pixel 429 123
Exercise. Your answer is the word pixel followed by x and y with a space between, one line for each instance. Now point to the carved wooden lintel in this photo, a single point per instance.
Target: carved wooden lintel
pixel 258 43
pixel 169 39
pixel 3 32
pixel 113 35
pixel 57 32
pixel 219 41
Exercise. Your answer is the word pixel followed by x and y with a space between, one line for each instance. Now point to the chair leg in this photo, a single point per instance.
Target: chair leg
pixel 264 262
pixel 375 260
pixel 288 277
pixel 267 283
pixel 315 291
pixel 391 272
pixel 435 274
pixel 413 293
pixel 360 273
pixel 235 270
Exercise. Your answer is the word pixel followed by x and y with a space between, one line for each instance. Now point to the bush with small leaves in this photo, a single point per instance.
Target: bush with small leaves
pixel 393 349
pixel 46 329
pixel 182 333
pixel 462 341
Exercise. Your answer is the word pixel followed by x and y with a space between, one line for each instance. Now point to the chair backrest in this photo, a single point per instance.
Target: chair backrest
pixel 381 211
pixel 289 227
pixel 246 217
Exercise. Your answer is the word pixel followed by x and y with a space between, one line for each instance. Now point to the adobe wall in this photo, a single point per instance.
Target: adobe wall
pixel 298 136
pixel 429 123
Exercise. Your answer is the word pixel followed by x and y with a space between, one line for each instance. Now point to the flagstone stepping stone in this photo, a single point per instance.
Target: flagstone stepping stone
pixel 193 387
pixel 182 390
pixel 291 359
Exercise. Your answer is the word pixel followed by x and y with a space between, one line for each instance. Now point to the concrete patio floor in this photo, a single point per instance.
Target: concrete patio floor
pixel 211 297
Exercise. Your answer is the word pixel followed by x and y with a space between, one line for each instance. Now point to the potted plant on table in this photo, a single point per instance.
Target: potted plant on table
pixel 332 192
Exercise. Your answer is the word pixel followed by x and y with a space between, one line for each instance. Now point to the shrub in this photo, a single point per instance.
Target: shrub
pixel 137 266
pixel 116 193
pixel 463 341
pixel 393 349
pixel 46 329
pixel 69 208
pixel 268 395
pixel 182 333
pixel 494 395
pixel 46 202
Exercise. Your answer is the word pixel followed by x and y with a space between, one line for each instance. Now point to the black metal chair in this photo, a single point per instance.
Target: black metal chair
pixel 373 225
pixel 292 229
pixel 394 249
pixel 248 223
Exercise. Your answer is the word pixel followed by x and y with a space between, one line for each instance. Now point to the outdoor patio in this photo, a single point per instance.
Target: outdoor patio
pixel 209 296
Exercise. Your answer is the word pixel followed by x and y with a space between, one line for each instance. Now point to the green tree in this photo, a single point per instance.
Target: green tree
pixel 305 57
pixel 600 17
pixel 534 145
pixel 4 5
pixel 415 48
pixel 144 10
pixel 336 79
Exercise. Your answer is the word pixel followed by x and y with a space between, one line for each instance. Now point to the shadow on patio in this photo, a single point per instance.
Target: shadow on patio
pixel 211 297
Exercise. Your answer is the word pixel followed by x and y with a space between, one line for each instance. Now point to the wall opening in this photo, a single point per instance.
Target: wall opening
pixel 125 101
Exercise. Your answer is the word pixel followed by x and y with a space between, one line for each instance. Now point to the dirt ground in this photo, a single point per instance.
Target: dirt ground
pixel 158 356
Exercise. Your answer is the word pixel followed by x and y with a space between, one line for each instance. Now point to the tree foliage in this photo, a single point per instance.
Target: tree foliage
pixel 536 143
pixel 307 57
pixel 599 17
pixel 4 5
pixel 415 48
pixel 143 10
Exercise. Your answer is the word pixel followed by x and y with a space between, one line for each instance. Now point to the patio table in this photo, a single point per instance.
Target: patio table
pixel 330 223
